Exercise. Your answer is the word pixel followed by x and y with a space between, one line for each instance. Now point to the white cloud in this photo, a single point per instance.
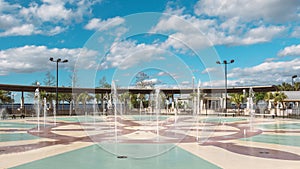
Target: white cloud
pixel 162 74
pixel 209 70
pixel 56 30
pixel 98 24
pixel 262 34
pixel 126 54
pixel 272 73
pixel 48 17
pixel 53 12
pixel 293 50
pixel 196 32
pixel 185 83
pixel 8 21
pixel 273 11
pixel 6 6
pixel 29 59
pixel 151 81
pixel 26 29
pixel 296 32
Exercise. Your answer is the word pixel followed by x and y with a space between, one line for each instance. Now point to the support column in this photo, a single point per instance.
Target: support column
pixel 23 111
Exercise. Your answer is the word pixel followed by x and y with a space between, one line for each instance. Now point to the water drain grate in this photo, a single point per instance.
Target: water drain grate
pixel 122 157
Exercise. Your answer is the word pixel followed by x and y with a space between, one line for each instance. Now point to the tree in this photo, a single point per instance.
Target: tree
pixel 84 98
pixel 268 96
pixel 285 87
pixel 278 98
pixel 49 79
pixel 74 78
pixel 259 96
pixel 65 97
pixel 297 86
pixel 5 97
pixel 238 99
pixel 140 80
pixel 103 83
pixel 124 98
pixel 49 97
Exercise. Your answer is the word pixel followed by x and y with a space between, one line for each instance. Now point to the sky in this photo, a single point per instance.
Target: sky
pixel 176 43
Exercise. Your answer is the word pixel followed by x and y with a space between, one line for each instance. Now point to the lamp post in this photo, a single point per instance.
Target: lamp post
pixel 57 61
pixel 12 102
pixel 293 77
pixel 225 62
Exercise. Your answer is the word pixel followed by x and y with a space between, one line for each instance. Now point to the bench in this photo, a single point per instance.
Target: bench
pixel 14 116
pixel 227 114
pixel 266 115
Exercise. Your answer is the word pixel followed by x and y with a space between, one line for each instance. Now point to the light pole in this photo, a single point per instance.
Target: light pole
pixel 293 77
pixel 225 62
pixel 12 102
pixel 57 61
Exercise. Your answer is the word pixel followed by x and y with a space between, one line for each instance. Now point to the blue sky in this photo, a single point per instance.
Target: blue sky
pixel 171 41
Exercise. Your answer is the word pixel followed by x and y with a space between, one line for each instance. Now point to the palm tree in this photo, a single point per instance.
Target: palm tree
pixel 124 98
pixel 65 97
pixel 278 98
pixel 84 98
pixel 5 97
pixel 285 87
pixel 268 97
pixel 238 99
pixel 297 86
pixel 49 97
pixel 259 96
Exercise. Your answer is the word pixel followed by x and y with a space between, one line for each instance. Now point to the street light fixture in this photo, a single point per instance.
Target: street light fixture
pixel 225 62
pixel 293 77
pixel 57 61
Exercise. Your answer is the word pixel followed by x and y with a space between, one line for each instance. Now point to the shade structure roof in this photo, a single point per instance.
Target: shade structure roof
pixel 292 96
pixel 24 88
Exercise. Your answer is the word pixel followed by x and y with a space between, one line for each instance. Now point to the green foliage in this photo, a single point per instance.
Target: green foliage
pixel 48 96
pixel 65 97
pixel 259 96
pixel 5 97
pixel 278 97
pixel 268 96
pixel 237 98
pixel 103 83
pixel 297 86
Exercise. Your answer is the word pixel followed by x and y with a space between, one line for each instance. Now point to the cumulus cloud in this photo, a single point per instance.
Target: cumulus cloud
pixel 209 70
pixel 272 11
pixel 126 54
pixel 162 74
pixel 29 59
pixel 293 50
pixel 273 72
pixel 98 24
pixel 197 32
pixel 26 29
pixel 46 17
pixel 296 32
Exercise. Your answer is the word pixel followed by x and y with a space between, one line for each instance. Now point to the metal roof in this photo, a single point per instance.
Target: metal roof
pixel 24 88
pixel 292 96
